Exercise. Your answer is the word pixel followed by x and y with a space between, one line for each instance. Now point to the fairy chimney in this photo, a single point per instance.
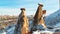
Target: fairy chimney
pixel 38 14
pixel 38 18
pixel 42 22
pixel 22 23
pixel 44 13
pixel 25 23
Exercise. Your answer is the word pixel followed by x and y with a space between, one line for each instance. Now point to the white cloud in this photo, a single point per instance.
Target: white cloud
pixel 9 11
pixel 16 11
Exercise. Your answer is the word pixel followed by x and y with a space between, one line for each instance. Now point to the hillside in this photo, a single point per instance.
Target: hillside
pixel 53 19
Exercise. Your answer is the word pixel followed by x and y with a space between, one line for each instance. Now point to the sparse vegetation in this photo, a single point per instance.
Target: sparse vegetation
pixel 7 20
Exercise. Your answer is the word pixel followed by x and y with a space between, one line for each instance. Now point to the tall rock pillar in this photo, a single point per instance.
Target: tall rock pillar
pixel 25 25
pixel 22 23
pixel 38 18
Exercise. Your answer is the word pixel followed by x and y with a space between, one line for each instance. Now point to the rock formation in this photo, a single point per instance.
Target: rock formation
pixel 42 22
pixel 25 24
pixel 22 23
pixel 38 18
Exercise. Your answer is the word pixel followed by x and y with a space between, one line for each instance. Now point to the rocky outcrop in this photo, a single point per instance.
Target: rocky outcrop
pixel 22 23
pixel 38 18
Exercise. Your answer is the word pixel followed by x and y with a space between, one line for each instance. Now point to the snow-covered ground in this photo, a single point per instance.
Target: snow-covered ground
pixel 42 32
pixel 2 32
pixel 10 30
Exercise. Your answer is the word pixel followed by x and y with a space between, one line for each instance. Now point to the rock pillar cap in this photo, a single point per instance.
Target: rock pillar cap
pixel 22 9
pixel 40 4
pixel 44 11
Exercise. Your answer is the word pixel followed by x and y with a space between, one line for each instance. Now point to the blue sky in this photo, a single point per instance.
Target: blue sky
pixel 12 7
